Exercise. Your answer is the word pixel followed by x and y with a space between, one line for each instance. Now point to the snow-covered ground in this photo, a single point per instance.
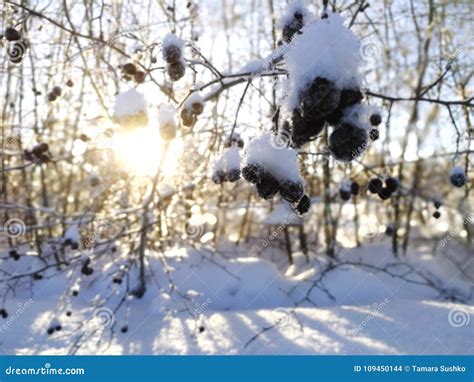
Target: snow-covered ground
pixel 368 303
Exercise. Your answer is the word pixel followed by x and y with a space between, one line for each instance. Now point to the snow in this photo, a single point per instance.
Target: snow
pixel 172 40
pixel 457 170
pixel 288 16
pixel 231 157
pixel 283 214
pixel 72 233
pixel 281 162
pixel 326 49
pixel 234 299
pixel 166 115
pixel 129 103
pixel 195 97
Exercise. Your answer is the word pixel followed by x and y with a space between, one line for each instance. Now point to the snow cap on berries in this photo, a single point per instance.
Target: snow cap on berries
pixel 281 162
pixel 130 108
pixel 173 49
pixel 316 53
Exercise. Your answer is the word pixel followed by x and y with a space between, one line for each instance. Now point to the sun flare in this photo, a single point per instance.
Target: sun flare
pixel 140 151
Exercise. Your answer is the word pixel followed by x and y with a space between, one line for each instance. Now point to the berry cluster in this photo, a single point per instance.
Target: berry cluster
pixel 193 107
pixel 437 206
pixel 268 186
pixel 234 140
pixel 39 154
pixel 130 71
pixel 227 167
pixel 68 242
pixel 55 93
pixel 348 189
pixel 14 255
pixel 457 177
pixel 173 55
pixel 17 45
pixel 376 187
pixel 55 327
pixel 293 26
pixel 86 270
pixel 3 313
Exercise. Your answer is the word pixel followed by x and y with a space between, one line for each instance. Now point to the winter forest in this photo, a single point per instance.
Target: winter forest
pixel 236 177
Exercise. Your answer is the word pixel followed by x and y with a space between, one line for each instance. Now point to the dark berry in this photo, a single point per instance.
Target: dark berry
pixel 347 142
pixel 124 329
pixel 355 188
pixel 303 205
pixel 67 242
pixel 57 91
pixel 219 177
pixel 37 151
pixel 391 184
pixel 374 134
pixel 44 147
pixel 187 118
pixel 95 181
pixel 458 180
pixel 69 83
pixel 437 204
pixel 3 313
pixel 384 193
pixel 389 231
pixel 344 194
pixel 117 280
pixel 291 191
pixel 319 99
pixel 14 255
pixel 139 292
pixel 58 328
pixel 50 331
pixel 304 128
pixel 52 97
pixel 436 214
pixel 172 54
pixel 176 71
pixel 350 97
pixel 74 245
pixel 69 313
pixel 267 185
pixel 233 175
pixel 28 155
pixel 37 276
pixel 197 107
pixel 375 185
pixel 129 69
pixel 75 293
pixel 375 119
pixel 11 34
pixel 201 329
pixel 139 77
pixel 251 173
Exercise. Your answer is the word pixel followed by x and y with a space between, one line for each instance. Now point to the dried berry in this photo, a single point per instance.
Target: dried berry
pixel 175 71
pixel 291 191
pixel 139 77
pixel 375 185
pixel 303 205
pixel 391 184
pixel 172 54
pixel 11 34
pixel 374 134
pixel 267 185
pixel 129 69
pixel 355 188
pixel 251 173
pixel 436 214
pixel 347 142
pixel 375 119
pixel 384 193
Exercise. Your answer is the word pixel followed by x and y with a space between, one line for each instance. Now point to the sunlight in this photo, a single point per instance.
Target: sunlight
pixel 140 151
